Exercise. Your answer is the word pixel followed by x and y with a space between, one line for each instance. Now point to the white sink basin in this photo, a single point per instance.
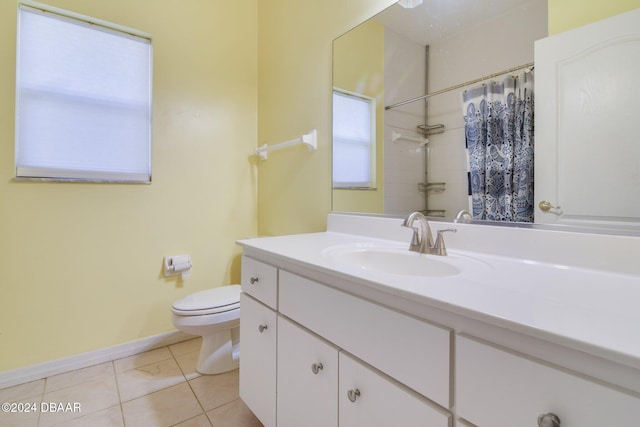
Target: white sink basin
pixel 397 260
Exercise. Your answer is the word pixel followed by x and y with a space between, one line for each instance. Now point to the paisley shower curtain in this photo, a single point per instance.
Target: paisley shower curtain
pixel 498 119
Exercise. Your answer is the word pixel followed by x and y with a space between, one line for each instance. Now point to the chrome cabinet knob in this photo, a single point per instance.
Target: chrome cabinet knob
pixel 353 394
pixel 262 328
pixel 548 420
pixel 254 280
pixel 316 368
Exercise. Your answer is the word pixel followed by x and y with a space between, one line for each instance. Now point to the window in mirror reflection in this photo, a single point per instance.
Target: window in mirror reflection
pixel 354 118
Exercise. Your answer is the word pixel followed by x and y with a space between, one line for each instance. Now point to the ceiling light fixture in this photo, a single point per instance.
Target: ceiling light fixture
pixel 410 4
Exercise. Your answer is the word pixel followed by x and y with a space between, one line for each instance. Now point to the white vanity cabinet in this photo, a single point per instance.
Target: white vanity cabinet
pixel 258 332
pixel 498 388
pixel 351 355
pixel 476 349
pixel 321 357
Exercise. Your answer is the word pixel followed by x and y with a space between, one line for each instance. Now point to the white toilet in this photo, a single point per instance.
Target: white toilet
pixel 213 314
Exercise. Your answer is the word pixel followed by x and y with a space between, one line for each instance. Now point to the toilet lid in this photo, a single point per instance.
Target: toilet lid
pixel 210 301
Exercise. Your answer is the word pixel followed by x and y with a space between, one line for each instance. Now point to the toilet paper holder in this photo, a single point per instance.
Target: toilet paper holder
pixel 177 264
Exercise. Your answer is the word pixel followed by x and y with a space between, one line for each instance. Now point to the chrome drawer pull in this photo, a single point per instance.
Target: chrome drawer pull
pixel 316 367
pixel 262 328
pixel 254 280
pixel 353 394
pixel 548 420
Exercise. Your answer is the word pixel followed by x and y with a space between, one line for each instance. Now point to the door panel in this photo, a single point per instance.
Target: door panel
pixel 587 158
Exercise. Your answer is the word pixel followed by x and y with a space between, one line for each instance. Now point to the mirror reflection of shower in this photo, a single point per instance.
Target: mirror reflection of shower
pixel 433 177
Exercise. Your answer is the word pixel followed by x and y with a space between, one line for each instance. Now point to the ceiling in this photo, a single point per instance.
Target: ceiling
pixel 438 19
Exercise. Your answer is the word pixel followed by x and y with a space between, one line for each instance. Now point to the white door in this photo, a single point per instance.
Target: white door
pixel 587 143
pixel 258 333
pixel 307 378
pixel 368 398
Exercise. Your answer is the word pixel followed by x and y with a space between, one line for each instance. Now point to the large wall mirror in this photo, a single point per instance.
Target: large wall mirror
pixel 412 156
pixel 403 53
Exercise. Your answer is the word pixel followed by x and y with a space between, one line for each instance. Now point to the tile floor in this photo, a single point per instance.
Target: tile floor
pixel 157 388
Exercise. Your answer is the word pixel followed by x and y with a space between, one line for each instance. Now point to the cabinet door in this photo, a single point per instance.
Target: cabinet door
pixel 368 398
pixel 258 336
pixel 307 378
pixel 496 388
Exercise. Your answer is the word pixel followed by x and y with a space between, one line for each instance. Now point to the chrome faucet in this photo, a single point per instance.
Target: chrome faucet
pixel 463 216
pixel 422 239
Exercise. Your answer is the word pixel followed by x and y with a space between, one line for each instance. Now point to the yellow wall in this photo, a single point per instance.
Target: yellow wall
pixel 567 14
pixel 295 39
pixel 81 263
pixel 358 67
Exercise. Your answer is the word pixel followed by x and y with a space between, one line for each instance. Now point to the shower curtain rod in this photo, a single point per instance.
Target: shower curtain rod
pixel 461 85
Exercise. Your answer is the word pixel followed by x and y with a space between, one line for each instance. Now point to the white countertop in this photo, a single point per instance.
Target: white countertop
pixel 595 311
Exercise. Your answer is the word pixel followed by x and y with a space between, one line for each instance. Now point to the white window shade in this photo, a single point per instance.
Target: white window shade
pixel 83 107
pixel 353 141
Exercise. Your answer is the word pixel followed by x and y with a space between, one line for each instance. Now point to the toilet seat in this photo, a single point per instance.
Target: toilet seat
pixel 210 301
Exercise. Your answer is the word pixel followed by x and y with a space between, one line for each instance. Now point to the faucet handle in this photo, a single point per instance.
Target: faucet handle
pixel 439 247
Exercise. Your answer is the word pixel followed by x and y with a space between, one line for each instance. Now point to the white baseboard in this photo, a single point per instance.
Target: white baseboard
pixel 83 360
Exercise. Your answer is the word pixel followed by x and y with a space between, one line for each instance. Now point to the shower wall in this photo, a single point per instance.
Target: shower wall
pixel 404 166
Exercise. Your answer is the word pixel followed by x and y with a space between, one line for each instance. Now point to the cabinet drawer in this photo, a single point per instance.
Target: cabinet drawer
pixel 260 280
pixel 380 401
pixel 496 388
pixel 414 352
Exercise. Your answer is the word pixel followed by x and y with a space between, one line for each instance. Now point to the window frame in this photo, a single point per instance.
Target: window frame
pixel 44 173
